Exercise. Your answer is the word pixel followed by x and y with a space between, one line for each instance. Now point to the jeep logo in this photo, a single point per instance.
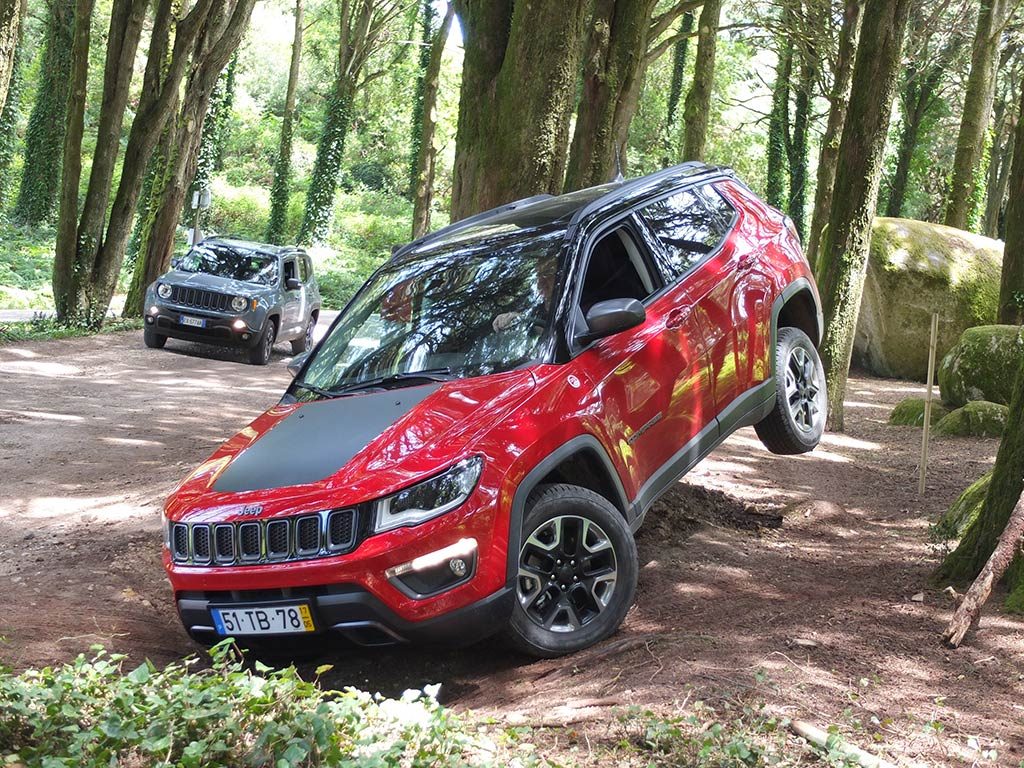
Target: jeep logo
pixel 251 510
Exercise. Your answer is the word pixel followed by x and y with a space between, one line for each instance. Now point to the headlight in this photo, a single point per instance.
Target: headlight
pixel 428 499
pixel 163 291
pixel 239 303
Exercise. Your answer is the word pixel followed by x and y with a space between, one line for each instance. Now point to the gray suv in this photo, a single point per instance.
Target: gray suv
pixel 235 293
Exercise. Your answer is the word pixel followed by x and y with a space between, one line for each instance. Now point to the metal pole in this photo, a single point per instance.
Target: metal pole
pixel 928 404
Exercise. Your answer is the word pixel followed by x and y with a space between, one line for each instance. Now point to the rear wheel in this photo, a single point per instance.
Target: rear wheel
pixel 260 353
pixel 152 339
pixel 577 572
pixel 797 420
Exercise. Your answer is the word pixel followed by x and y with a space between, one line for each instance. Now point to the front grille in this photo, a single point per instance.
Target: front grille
pixel 303 537
pixel 194 297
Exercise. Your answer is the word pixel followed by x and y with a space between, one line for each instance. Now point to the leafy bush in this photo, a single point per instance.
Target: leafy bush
pixel 26 267
pixel 241 211
pixel 89 714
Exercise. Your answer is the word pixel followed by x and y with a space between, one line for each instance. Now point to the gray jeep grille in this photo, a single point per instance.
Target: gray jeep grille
pixel 200 299
pixel 303 537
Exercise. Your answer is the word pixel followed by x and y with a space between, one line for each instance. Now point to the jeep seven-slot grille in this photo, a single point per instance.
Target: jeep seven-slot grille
pixel 303 537
pixel 194 297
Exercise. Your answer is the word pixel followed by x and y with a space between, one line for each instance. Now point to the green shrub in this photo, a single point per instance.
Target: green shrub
pixel 89 713
pixel 46 327
pixel 241 211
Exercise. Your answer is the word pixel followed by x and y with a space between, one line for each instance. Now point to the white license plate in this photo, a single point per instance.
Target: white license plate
pixel 195 322
pixel 263 620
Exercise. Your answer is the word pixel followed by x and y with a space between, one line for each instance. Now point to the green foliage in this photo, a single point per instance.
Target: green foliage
pixel 324 181
pixel 46 327
pixel 26 267
pixel 44 136
pixel 280 190
pixel 92 713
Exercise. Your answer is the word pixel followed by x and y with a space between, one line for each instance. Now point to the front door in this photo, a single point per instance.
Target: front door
pixel 291 308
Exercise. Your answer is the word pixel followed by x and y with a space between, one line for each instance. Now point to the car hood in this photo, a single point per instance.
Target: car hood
pixel 360 446
pixel 213 283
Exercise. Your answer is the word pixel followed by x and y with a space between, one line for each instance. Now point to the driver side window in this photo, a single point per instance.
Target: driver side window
pixel 289 270
pixel 616 270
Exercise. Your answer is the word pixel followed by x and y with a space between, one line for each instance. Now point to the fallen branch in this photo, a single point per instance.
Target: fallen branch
pixel 826 741
pixel 968 612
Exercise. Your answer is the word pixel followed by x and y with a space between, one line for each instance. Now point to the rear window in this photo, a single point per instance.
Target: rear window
pixel 689 225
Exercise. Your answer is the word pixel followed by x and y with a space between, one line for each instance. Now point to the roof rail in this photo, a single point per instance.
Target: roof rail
pixel 470 221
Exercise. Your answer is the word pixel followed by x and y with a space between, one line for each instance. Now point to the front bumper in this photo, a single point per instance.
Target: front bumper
pixel 219 329
pixel 357 615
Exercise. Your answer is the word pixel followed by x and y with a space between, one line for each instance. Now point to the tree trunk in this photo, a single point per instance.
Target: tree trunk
pixel 281 187
pixel 1011 287
pixel 998 167
pixel 44 136
pixel 614 68
pixel 839 98
pixel 982 537
pixel 9 114
pixel 797 205
pixel 519 81
pixel 697 109
pixel 64 271
pixel 845 249
pixel 679 52
pixel 423 188
pixel 778 124
pixel 968 612
pixel 426 18
pixel 11 12
pixel 977 111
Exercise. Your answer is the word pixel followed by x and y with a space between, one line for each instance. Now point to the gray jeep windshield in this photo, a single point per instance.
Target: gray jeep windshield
pixel 235 263
pixel 481 308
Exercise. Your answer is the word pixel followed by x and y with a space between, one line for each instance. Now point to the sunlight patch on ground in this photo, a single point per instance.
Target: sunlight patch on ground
pixel 131 441
pixel 23 353
pixel 112 508
pixel 40 368
pixel 869 406
pixel 47 416
pixel 840 440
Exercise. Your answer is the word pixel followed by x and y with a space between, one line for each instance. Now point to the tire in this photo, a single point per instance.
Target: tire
pixel 305 342
pixel 584 599
pixel 261 351
pixel 797 420
pixel 152 339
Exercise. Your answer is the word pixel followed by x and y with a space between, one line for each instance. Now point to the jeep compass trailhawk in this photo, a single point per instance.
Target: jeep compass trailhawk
pixel 471 447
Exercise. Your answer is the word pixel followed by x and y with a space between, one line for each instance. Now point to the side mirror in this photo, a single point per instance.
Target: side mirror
pixel 606 318
pixel 293 284
pixel 296 363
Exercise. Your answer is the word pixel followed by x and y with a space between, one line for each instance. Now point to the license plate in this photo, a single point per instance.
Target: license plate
pixel 263 620
pixel 195 322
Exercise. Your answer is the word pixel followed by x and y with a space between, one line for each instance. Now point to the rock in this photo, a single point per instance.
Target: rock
pixel 979 418
pixel 918 598
pixel 965 510
pixel 910 412
pixel 916 268
pixel 982 365
pixel 805 642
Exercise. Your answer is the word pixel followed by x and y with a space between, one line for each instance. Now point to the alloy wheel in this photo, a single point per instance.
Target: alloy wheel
pixel 804 393
pixel 567 573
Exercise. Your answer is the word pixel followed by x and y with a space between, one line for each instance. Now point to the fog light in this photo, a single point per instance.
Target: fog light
pixel 435 572
pixel 149 320
pixel 239 324
pixel 245 336
pixel 154 309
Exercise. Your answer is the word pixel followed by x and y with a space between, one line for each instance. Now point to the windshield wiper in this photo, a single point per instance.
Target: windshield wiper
pixel 315 390
pixel 429 374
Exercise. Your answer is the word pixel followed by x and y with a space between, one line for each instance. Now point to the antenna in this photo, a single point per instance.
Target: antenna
pixel 619 178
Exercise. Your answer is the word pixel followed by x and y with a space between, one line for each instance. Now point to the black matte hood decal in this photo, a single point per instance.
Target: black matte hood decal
pixel 318 439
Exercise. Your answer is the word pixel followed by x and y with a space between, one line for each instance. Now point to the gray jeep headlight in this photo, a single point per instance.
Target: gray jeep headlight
pixel 163 290
pixel 428 499
pixel 239 303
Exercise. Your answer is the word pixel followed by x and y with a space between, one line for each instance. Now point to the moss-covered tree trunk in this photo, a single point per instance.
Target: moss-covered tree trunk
pixel 853 13
pixel 423 187
pixel 11 12
pixel 1011 286
pixel 1001 156
pixel 281 186
pixel 519 80
pixel 697 110
pixel 44 136
pixel 778 122
pixel 843 259
pixel 977 111
pixel 799 146
pixel 675 90
pixel 978 542
pixel 9 115
pixel 426 18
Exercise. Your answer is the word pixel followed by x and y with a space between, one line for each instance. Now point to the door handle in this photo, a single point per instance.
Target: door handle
pixel 677 317
pixel 748 261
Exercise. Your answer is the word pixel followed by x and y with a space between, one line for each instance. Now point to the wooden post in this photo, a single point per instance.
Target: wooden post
pixel 928 404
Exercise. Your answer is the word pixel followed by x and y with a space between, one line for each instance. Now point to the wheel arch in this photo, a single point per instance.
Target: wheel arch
pixel 582 461
pixel 797 307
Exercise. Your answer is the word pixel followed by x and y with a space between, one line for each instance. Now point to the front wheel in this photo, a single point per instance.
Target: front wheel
pixel 797 420
pixel 152 339
pixel 577 572
pixel 305 342
pixel 260 354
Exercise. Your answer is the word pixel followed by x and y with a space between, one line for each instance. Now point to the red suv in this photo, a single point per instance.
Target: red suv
pixel 471 447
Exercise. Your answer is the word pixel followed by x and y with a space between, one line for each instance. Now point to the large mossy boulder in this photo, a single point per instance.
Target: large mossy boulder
pixel 916 268
pixel 909 412
pixel 979 418
pixel 982 365
pixel 965 510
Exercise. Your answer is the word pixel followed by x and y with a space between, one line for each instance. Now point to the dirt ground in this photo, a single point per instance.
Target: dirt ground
pixel 791 580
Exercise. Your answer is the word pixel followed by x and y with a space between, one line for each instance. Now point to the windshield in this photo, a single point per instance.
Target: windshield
pixel 235 263
pixel 468 313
